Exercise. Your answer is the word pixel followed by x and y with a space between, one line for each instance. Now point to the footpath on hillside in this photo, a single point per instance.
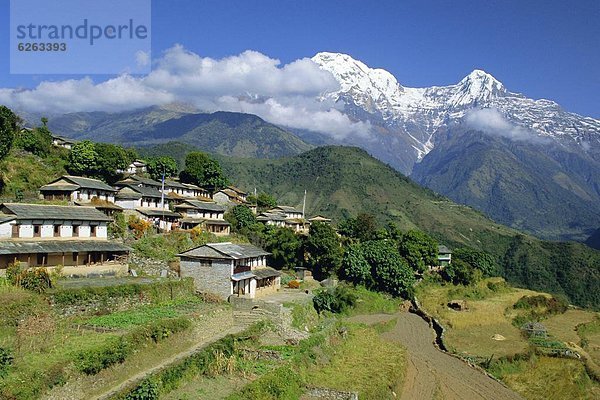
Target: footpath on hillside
pixel 431 373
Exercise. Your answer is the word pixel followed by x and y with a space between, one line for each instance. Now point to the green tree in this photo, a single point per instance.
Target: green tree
pixel 263 201
pixel 9 125
pixel 83 159
pixel 355 268
pixel 323 250
pixel 461 273
pixel 285 246
pixel 159 165
pixel 363 227
pixel 109 159
pixel 203 171
pixel 391 273
pixel 241 218
pixel 480 260
pixel 37 141
pixel 419 249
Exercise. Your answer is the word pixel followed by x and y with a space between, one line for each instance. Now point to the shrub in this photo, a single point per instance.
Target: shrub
pixel 147 390
pixel 36 280
pixel 112 352
pixel 6 360
pixel 293 284
pixel 283 383
pixel 335 300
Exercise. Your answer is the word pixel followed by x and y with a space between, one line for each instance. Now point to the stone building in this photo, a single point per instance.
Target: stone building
pixel 227 269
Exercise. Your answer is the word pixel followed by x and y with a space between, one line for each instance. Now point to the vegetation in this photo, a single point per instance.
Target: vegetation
pixel 9 125
pixel 37 141
pixel 241 218
pixel 263 201
pixel 160 166
pixel 336 300
pixel 418 249
pixel 204 171
pixel 324 250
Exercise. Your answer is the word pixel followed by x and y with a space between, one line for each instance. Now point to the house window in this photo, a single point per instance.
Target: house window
pixel 75 230
pixel 15 231
pixel 92 231
pixel 37 231
pixel 75 257
pixel 56 230
pixel 206 263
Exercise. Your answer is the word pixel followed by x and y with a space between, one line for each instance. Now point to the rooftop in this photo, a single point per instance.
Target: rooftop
pixel 59 246
pixel 69 181
pixel 226 250
pixel 47 212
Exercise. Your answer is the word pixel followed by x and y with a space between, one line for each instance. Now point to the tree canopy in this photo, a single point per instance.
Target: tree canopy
pixel 9 125
pixel 203 171
pixel 324 250
pixel 241 218
pixel 390 272
pixel 419 249
pixel 159 165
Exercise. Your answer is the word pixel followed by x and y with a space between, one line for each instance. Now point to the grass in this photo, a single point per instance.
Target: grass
pixel 470 332
pixel 370 302
pixel 542 378
pixel 144 315
pixel 364 363
pixel 590 338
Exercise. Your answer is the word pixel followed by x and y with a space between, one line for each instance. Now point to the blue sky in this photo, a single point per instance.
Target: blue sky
pixel 544 49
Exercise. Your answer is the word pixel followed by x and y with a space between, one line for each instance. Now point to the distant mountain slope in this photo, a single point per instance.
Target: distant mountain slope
pixel 517 183
pixel 343 181
pixel 228 133
pixel 549 157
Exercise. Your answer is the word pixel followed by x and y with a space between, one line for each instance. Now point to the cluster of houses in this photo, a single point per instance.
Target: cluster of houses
pixel 75 237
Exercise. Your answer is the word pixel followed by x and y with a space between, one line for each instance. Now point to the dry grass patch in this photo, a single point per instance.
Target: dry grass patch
pixel 365 363
pixel 471 331
pixel 546 378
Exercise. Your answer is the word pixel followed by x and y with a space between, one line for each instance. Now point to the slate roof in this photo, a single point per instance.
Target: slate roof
pixel 47 212
pixel 157 212
pixel 201 205
pixel 225 250
pixel 271 216
pixel 78 182
pixel 63 139
pixel 443 249
pixel 59 246
pixel 145 191
pixel 237 190
pixel 174 184
pixel 260 273
pixel 133 179
pixel 191 220
pixel 288 209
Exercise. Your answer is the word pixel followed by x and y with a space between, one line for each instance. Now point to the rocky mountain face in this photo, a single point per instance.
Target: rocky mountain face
pixel 526 149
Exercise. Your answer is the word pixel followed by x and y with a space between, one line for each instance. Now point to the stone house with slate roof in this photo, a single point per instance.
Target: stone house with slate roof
pixel 227 269
pixel 49 235
pixel 285 216
pixel 444 256
pixel 77 188
pixel 208 215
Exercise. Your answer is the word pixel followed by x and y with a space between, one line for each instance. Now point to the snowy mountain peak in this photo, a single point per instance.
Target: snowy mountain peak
pixel 476 87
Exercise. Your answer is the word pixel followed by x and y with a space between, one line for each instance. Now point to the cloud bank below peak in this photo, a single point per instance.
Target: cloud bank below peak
pixel 249 82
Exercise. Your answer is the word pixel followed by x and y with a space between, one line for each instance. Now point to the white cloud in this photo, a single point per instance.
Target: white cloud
pixel 249 82
pixel 491 121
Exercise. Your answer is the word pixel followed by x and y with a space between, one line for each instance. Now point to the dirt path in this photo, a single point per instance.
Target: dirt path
pixel 431 373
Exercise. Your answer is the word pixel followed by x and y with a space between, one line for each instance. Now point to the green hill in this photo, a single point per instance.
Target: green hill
pixel 228 133
pixel 343 181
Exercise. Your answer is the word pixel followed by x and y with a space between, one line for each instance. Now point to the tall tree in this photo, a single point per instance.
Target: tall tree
pixel 477 259
pixel 37 141
pixel 355 267
pixel 110 159
pixel 285 247
pixel 324 250
pixel 157 166
pixel 241 218
pixel 391 273
pixel 83 159
pixel 363 227
pixel 9 125
pixel 419 249
pixel 203 171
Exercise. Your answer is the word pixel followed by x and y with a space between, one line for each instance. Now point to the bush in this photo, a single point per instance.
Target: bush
pixel 461 273
pixel 293 284
pixel 335 300
pixel 147 390
pixel 6 360
pixel 283 383
pixel 36 279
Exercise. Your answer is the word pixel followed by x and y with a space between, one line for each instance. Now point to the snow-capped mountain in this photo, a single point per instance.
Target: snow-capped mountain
pixel 527 163
pixel 420 112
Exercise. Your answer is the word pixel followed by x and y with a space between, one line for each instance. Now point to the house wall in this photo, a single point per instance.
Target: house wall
pixel 6 229
pixel 220 198
pixel 129 204
pixel 214 279
pixel 52 260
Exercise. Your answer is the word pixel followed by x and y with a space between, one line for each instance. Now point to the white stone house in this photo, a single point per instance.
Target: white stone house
pixel 77 188
pixel 49 235
pixel 208 215
pixel 61 141
pixel 227 269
